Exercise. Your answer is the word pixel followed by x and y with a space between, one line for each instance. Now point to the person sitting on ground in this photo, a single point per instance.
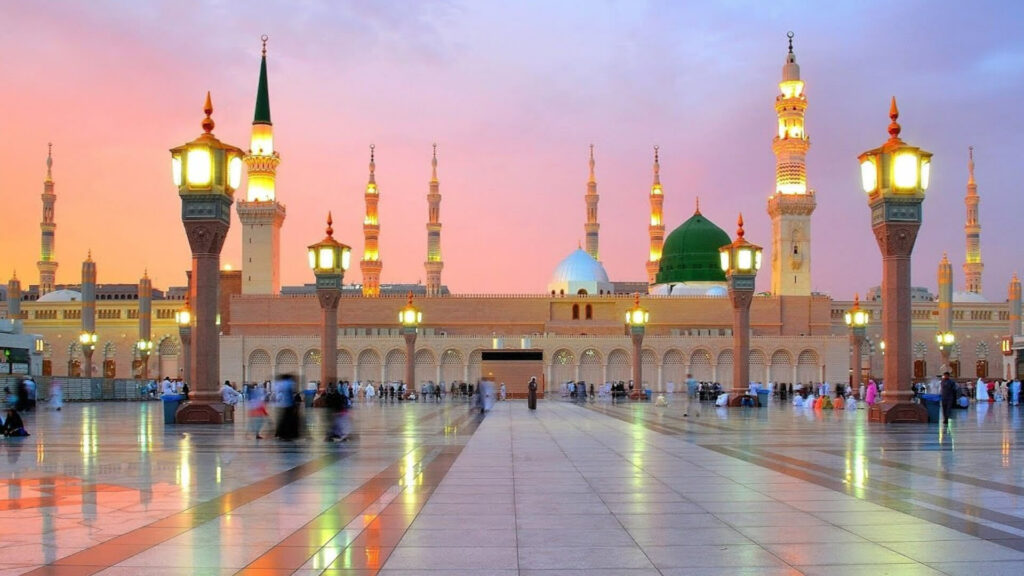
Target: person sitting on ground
pixel 851 404
pixel 229 395
pixel 839 403
pixel 13 425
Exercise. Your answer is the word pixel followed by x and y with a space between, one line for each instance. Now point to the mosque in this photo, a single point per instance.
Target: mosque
pixel 575 321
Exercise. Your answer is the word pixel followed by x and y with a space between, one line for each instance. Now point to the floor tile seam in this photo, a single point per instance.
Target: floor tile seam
pixel 935 517
pixel 891 489
pixel 311 465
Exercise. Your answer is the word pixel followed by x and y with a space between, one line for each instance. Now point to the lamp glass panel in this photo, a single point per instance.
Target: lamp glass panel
pixel 757 259
pixel 312 258
pixel 904 170
pixel 724 256
pixel 235 172
pixel 744 259
pixel 849 319
pixel 868 175
pixel 346 258
pixel 326 258
pixel 199 166
pixel 176 169
pixel 926 172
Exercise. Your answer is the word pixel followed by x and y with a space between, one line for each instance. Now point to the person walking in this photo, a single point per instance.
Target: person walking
pixel 948 396
pixel 1015 392
pixel 531 395
pixel 691 393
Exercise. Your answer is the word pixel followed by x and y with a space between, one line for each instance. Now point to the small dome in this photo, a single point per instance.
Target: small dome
pixel 579 267
pixel 690 253
pixel 61 296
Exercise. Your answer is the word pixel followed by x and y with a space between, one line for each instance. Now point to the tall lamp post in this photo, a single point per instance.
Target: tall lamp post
pixel 945 340
pixel 410 317
pixel 145 348
pixel 206 172
pixel 895 177
pixel 637 318
pixel 329 259
pixel 183 318
pixel 740 261
pixel 88 341
pixel 857 320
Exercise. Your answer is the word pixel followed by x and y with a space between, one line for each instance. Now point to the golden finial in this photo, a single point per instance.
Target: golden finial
pixel 14 275
pixel 894 114
pixel 409 301
pixel 264 38
pixel 636 299
pixel 856 300
pixel 591 162
pixel 697 211
pixel 433 164
pixel 145 272
pixel 208 109
pixel 739 222
pixel 330 221
pixel 656 153
pixel 790 36
pixel 88 255
pixel 970 165
pixel 49 161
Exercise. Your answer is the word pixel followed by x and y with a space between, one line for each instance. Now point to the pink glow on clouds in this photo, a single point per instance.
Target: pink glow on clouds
pixel 513 94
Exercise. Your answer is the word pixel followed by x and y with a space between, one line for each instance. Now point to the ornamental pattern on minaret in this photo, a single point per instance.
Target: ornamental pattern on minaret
pixel 656 229
pixel 47 264
pixel 973 265
pixel 434 263
pixel 1014 297
pixel 792 202
pixel 592 227
pixel 260 213
pixel 945 278
pixel 371 264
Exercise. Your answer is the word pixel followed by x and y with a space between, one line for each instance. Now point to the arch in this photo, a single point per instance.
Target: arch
pixel 426 366
pixel 452 365
pixel 345 365
pixel 168 346
pixel 368 366
pixel 259 366
pixel 287 362
pixel 723 368
pixel 673 367
pixel 981 351
pixel 110 362
pixel 394 365
pixel 475 360
pixel 782 367
pixel 700 365
pixel 758 366
pixel 581 292
pixel 311 361
pixel 47 351
pixel 563 366
pixel 109 351
pixel 807 366
pixel 575 311
pixel 620 365
pixel 920 349
pixel 649 369
pixel 591 366
pixel 589 312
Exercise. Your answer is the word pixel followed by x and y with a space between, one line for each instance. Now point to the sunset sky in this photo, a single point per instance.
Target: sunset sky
pixel 513 93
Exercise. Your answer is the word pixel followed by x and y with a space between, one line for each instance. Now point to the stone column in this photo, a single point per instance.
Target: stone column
pixel 856 338
pixel 329 298
pixel 409 334
pixel 741 292
pixel 185 334
pixel 637 336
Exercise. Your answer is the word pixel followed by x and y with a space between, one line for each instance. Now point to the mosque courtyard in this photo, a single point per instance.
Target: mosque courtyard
pixel 628 489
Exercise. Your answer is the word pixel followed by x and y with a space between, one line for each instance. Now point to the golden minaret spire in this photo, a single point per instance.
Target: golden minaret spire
pixel 792 203
pixel 973 265
pixel 592 226
pixel 656 229
pixel 434 263
pixel 48 227
pixel 371 264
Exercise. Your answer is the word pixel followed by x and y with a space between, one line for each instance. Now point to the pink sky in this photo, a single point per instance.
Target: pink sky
pixel 513 93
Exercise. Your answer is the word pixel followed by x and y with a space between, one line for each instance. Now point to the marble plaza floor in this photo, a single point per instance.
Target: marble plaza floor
pixel 597 490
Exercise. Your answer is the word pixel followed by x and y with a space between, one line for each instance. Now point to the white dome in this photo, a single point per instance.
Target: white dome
pixel 579 267
pixel 61 296
pixel 968 297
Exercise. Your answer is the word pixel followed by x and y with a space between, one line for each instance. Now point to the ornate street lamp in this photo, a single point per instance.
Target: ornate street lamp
pixel 895 177
pixel 183 318
pixel 740 261
pixel 410 317
pixel 145 348
pixel 206 172
pixel 329 259
pixel 857 320
pixel 636 319
pixel 945 340
pixel 88 341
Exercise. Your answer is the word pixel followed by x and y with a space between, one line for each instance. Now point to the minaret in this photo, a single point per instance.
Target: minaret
pixel 88 309
pixel 145 307
pixel 945 295
pixel 1013 296
pixel 371 264
pixel 973 265
pixel 792 204
pixel 260 213
pixel 434 264
pixel 657 227
pixel 592 227
pixel 47 265
pixel 14 298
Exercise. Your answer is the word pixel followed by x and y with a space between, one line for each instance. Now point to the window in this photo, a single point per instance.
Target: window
pixel 590 312
pixel 575 311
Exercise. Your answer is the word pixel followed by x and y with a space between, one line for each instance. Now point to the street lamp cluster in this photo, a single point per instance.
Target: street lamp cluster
pixel 740 261
pixel 637 318
pixel 857 319
pixel 945 340
pixel 88 341
pixel 329 259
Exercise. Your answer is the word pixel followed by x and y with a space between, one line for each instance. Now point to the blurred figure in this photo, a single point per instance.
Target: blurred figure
pixel 287 411
pixel 13 426
pixel 257 412
pixel 56 395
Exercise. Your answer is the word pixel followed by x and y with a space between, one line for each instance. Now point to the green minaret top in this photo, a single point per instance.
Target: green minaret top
pixel 262 115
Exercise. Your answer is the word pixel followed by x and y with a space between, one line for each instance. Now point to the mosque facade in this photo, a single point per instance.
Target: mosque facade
pixel 576 321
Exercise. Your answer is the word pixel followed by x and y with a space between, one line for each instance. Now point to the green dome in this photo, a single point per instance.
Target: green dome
pixel 690 253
